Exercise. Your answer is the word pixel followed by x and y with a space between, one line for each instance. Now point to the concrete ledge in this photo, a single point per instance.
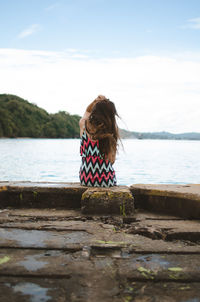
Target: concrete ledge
pixel 116 200
pixel 180 200
pixel 41 195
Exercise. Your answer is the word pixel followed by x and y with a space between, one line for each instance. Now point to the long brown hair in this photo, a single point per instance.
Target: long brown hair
pixel 101 125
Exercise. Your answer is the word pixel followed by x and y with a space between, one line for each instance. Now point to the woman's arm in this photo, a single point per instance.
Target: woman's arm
pixel 90 107
pixel 82 122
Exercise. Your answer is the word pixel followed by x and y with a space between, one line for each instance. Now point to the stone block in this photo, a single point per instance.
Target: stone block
pixel 178 200
pixel 41 195
pixel 108 201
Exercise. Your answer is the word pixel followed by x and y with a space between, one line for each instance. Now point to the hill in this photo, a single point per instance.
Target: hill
pixel 162 135
pixel 19 118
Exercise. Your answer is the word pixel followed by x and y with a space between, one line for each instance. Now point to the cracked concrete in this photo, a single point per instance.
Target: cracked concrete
pixel 61 254
pixel 50 255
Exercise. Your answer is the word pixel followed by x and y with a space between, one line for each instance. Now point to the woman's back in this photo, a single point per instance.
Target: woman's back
pixel 95 171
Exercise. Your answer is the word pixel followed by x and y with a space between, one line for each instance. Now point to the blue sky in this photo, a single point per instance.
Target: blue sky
pixel 144 55
pixel 104 27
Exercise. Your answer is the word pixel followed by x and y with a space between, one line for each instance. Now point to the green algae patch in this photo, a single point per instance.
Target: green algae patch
pixel 147 273
pixel 4 259
pixel 185 287
pixel 122 209
pixel 175 273
pixel 127 299
pixel 35 194
pixel 175 269
pixel 174 276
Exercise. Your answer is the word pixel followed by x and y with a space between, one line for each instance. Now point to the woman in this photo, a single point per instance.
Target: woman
pixel 99 140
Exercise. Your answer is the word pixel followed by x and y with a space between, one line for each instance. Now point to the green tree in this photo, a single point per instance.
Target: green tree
pixel 19 118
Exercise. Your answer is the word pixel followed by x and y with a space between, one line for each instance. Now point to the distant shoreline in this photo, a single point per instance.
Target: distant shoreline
pixel 21 119
pixel 160 135
pixel 124 138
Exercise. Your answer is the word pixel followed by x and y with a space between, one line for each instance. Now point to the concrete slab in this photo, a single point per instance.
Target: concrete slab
pixel 41 195
pixel 166 230
pixel 21 289
pixel 65 255
pixel 53 263
pixel 161 291
pixel 71 230
pixel 180 200
pixel 116 200
pixel 177 200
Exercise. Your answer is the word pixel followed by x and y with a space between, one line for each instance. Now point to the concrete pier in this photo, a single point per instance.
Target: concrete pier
pixel 50 250
pixel 181 200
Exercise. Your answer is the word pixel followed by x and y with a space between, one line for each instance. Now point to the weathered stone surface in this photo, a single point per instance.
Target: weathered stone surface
pixel 166 230
pixel 180 200
pixel 161 292
pixel 130 266
pixel 65 255
pixel 40 195
pixel 71 230
pixel 21 289
pixel 116 200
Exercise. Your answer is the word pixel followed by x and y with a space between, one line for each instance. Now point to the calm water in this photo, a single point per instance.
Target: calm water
pixel 142 161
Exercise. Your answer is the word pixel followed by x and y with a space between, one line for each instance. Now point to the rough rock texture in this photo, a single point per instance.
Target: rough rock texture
pixel 64 255
pixel 181 200
pixel 61 254
pixel 116 200
pixel 41 195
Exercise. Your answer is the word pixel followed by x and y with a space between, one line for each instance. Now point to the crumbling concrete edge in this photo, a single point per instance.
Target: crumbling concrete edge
pixel 27 194
pixel 178 200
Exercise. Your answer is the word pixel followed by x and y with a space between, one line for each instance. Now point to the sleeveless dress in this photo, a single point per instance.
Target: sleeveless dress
pixel 94 171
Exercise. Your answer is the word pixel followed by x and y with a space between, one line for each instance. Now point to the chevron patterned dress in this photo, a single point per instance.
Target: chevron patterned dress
pixel 94 171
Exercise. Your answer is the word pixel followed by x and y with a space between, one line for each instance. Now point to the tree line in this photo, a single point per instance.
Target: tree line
pixel 19 118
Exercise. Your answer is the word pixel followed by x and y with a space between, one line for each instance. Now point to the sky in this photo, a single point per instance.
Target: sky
pixel 144 55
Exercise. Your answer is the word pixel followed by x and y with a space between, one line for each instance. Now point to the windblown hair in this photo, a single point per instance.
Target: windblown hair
pixel 102 126
pixel 98 99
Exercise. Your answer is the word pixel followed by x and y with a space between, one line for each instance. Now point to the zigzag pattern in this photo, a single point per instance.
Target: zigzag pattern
pixel 89 147
pixel 98 165
pixel 94 171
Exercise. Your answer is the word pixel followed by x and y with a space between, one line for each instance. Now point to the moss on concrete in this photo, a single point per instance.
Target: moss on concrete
pixel 116 200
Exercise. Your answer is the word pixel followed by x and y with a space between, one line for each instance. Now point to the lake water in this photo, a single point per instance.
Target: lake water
pixel 142 161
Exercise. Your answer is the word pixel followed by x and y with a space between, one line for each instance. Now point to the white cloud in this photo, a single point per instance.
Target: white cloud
pixel 29 31
pixel 76 53
pixel 52 6
pixel 151 93
pixel 192 23
pixel 72 50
